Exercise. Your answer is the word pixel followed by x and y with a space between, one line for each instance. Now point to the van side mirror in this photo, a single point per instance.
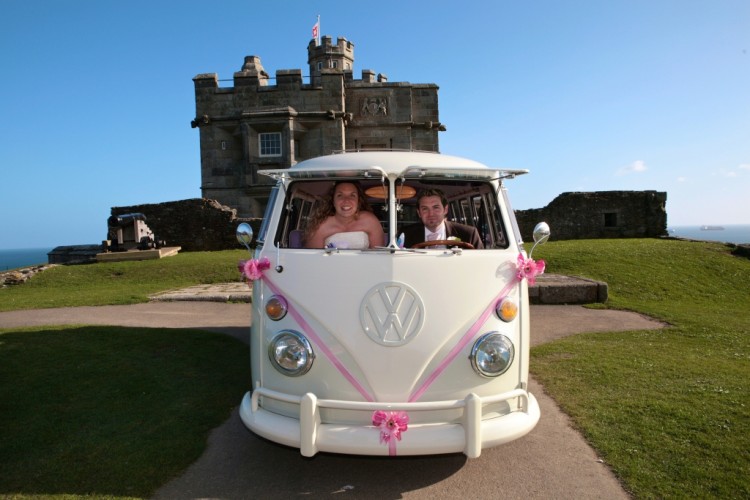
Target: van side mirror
pixel 244 234
pixel 541 235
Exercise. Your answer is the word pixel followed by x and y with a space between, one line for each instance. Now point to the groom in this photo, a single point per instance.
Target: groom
pixel 432 207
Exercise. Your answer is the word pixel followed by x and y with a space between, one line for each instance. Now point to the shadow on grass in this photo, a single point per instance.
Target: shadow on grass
pixel 114 411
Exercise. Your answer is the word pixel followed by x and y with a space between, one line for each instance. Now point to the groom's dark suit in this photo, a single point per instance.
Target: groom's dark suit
pixel 415 234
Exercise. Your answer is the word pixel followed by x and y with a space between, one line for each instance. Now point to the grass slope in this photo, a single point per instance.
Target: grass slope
pixel 668 410
pixel 120 282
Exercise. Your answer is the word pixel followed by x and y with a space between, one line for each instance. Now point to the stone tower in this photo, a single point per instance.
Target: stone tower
pixel 259 123
pixel 328 56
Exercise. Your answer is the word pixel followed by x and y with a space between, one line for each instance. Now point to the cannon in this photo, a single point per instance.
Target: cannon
pixel 129 232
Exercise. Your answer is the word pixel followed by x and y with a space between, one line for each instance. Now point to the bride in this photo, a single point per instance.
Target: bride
pixel 344 220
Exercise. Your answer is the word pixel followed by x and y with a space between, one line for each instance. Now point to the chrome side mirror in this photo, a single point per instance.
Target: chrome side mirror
pixel 244 235
pixel 541 235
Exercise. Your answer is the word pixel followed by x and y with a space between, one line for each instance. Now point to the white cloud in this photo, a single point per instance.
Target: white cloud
pixel 682 179
pixel 729 174
pixel 741 170
pixel 636 167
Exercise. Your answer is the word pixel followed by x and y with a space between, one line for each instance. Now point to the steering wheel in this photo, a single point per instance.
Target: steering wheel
pixel 447 243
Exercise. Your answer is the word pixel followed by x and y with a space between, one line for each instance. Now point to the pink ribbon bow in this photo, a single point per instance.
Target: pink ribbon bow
pixel 391 425
pixel 253 269
pixel 529 268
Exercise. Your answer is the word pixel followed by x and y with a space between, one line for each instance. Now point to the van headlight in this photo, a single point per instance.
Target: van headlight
pixel 290 353
pixel 492 354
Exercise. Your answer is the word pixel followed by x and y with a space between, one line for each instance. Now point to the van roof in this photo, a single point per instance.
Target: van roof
pixel 391 164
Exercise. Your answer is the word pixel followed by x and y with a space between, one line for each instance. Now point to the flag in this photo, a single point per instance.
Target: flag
pixel 316 32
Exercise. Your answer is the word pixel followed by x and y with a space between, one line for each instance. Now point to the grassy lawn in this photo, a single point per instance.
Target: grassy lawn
pixel 668 410
pixel 121 282
pixel 110 411
pixel 105 410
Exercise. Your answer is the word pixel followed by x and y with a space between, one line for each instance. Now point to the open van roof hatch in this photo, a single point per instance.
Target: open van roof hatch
pixel 413 172
pixel 333 174
pixel 391 165
pixel 417 172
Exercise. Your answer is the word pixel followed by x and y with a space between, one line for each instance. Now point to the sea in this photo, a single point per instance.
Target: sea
pixel 730 233
pixel 23 257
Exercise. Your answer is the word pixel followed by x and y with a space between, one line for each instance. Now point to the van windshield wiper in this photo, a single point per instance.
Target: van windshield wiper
pixel 398 249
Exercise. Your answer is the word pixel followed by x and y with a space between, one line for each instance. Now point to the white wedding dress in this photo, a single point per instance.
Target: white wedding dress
pixel 354 240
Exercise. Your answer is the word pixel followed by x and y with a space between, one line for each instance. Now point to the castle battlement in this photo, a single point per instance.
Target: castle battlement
pixel 266 122
pixel 343 47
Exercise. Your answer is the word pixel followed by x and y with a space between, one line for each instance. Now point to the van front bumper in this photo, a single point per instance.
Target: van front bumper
pixel 311 435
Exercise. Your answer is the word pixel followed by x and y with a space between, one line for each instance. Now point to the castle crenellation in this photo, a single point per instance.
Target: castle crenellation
pixel 256 125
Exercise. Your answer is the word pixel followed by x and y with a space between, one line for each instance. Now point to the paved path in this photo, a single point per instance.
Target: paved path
pixel 553 461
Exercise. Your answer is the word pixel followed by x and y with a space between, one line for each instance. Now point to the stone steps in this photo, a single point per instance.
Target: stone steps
pixel 559 289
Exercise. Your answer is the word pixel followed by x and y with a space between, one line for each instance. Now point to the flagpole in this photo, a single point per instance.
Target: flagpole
pixel 317 42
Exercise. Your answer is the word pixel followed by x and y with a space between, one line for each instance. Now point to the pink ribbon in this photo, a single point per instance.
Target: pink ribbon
pixel 391 425
pixel 468 336
pixel 253 269
pixel 529 268
pixel 323 347
pixel 526 268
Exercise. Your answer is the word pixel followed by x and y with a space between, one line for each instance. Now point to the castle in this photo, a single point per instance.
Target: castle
pixel 259 125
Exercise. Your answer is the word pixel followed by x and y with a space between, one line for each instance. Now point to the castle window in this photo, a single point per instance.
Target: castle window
pixel 610 219
pixel 270 143
pixel 334 64
pixel 320 65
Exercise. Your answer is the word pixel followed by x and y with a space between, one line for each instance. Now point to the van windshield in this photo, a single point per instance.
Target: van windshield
pixel 471 201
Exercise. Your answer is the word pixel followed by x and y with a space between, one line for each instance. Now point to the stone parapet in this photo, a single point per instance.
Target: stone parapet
pixel 196 224
pixel 74 254
pixel 600 214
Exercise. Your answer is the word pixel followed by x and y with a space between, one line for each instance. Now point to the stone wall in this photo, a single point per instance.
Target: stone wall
pixel 196 224
pixel 600 214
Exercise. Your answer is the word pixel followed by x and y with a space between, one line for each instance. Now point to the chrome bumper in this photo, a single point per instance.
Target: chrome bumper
pixel 311 435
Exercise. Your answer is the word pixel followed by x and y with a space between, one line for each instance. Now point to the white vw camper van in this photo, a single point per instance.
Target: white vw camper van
pixel 390 349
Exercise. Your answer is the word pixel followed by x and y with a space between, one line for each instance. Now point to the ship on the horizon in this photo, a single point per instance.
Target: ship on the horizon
pixel 712 228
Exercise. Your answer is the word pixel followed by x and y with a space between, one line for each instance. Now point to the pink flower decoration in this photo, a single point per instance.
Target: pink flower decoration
pixel 253 269
pixel 529 268
pixel 391 425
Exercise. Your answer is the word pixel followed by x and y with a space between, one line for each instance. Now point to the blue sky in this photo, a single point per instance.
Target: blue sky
pixel 588 95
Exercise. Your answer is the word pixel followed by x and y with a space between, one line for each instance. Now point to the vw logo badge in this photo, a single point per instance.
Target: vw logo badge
pixel 391 314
